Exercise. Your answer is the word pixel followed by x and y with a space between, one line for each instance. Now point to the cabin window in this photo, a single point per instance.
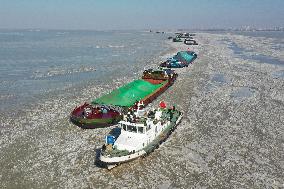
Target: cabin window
pixel 148 128
pixel 124 127
pixel 132 129
pixel 140 130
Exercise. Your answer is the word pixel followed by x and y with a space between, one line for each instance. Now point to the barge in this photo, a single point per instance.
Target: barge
pixel 108 109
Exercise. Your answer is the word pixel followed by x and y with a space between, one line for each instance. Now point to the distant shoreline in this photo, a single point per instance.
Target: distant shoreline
pixel 248 29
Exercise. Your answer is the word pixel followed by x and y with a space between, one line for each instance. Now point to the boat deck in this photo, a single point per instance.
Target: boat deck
pixel 130 93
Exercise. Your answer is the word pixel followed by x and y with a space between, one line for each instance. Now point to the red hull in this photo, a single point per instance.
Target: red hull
pixel 153 96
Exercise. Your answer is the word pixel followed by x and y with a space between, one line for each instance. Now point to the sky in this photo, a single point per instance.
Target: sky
pixel 140 14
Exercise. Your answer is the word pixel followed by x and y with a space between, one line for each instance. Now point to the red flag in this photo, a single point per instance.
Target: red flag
pixel 163 104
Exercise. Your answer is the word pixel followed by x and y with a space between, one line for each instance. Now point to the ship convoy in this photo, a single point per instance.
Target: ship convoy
pixel 186 38
pixel 139 131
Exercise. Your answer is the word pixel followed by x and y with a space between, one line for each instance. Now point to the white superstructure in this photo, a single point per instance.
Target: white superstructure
pixel 139 135
pixel 135 136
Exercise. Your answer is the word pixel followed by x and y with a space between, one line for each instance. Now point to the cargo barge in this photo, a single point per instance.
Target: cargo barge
pixel 108 109
pixel 180 60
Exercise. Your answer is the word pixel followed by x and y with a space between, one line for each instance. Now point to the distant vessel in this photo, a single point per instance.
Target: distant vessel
pixel 108 109
pixel 177 39
pixel 190 42
pixel 184 35
pixel 140 133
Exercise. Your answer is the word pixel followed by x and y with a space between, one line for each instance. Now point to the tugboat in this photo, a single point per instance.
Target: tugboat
pixel 140 133
pixel 108 109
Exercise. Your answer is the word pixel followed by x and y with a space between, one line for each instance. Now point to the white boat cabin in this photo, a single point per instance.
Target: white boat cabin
pixel 137 135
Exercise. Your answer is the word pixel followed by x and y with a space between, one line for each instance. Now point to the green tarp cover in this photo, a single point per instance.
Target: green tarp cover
pixel 128 94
